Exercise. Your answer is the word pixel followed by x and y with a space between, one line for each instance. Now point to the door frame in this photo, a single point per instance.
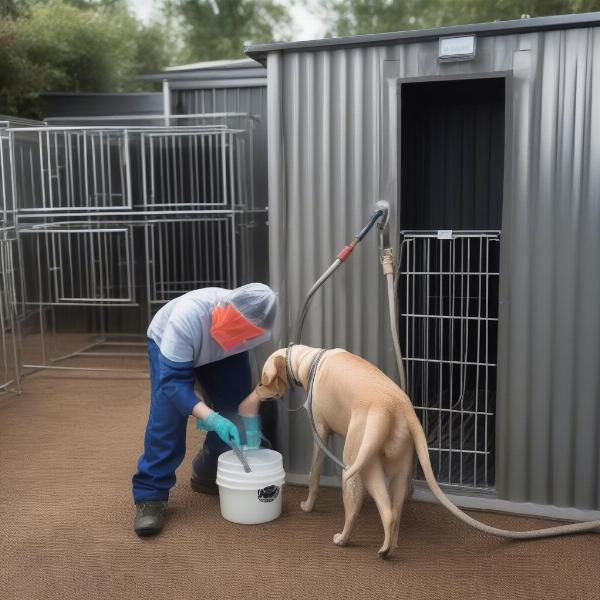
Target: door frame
pixel 395 74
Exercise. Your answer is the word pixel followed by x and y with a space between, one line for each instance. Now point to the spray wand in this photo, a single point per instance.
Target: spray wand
pixel 381 216
pixel 381 211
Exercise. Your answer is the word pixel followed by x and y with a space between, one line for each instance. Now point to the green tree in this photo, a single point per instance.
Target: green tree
pixel 480 11
pixel 355 17
pixel 214 29
pixel 352 17
pixel 60 45
pixel 8 8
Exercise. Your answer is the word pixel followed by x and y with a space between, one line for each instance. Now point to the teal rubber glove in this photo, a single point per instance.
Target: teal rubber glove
pixel 223 427
pixel 253 434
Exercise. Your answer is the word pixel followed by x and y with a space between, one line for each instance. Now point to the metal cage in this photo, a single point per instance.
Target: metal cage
pixel 449 330
pixel 112 222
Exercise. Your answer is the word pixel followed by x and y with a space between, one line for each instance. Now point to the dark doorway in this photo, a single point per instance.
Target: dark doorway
pixel 452 170
pixel 452 154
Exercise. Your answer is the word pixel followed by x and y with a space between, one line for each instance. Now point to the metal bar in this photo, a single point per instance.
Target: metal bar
pixel 109 343
pixel 155 128
pixel 42 176
pixel 150 266
pixel 463 233
pixel 110 354
pixel 454 411
pixel 440 350
pixel 154 117
pixel 166 91
pixel 102 302
pixel 124 173
pixel 141 213
pixel 100 369
pixel 459 318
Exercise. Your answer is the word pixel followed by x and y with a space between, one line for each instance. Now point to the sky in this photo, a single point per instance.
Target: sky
pixel 306 26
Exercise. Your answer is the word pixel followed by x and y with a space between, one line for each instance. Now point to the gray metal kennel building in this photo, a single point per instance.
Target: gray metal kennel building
pixel 485 140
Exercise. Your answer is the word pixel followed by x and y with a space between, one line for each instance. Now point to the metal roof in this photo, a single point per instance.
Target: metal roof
pixel 12 121
pixel 238 63
pixel 93 104
pixel 243 72
pixel 259 51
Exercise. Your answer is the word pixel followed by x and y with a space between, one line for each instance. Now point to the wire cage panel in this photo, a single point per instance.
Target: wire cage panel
pixel 195 169
pixel 83 266
pixel 93 266
pixel 189 254
pixel 6 200
pixel 449 330
pixel 67 169
pixel 9 352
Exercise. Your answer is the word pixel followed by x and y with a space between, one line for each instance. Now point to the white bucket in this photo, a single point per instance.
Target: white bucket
pixel 255 497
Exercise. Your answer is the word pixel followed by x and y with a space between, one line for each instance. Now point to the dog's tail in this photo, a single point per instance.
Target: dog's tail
pixel 377 427
pixel 423 454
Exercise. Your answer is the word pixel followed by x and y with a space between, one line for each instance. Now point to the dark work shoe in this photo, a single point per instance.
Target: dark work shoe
pixel 204 471
pixel 149 517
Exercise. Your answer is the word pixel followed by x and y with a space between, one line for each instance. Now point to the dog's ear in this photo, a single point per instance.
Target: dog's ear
pixel 274 367
pixel 280 367
pixel 269 372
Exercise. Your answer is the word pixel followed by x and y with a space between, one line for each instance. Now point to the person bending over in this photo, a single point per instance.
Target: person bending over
pixel 201 336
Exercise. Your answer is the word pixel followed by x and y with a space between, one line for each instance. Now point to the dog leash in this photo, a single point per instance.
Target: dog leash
pixel 312 372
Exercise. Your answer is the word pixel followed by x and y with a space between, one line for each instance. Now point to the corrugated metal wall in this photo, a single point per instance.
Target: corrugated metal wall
pixel 333 152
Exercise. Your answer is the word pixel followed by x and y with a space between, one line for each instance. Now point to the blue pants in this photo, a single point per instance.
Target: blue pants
pixel 224 384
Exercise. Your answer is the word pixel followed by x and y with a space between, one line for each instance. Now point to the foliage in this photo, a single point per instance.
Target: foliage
pixel 351 17
pixel 77 46
pixel 98 45
pixel 477 11
pixel 214 29
pixel 8 8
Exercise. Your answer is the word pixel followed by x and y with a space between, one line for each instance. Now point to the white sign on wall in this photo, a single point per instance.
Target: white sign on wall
pixel 457 48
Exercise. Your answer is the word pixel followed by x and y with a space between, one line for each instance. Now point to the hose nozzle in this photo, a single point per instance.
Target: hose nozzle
pixel 381 214
pixel 383 207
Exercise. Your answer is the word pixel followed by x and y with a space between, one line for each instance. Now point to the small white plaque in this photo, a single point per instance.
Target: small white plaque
pixel 457 48
pixel 444 234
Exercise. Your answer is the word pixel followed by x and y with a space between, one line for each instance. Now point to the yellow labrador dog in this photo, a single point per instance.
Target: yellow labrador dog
pixel 354 399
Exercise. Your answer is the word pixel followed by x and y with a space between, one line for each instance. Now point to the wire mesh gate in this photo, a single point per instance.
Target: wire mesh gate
pixel 9 330
pixel 64 169
pixel 80 265
pixel 10 358
pixel 211 263
pixel 449 332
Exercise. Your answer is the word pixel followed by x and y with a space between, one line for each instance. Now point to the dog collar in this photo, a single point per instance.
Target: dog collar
pixel 288 366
